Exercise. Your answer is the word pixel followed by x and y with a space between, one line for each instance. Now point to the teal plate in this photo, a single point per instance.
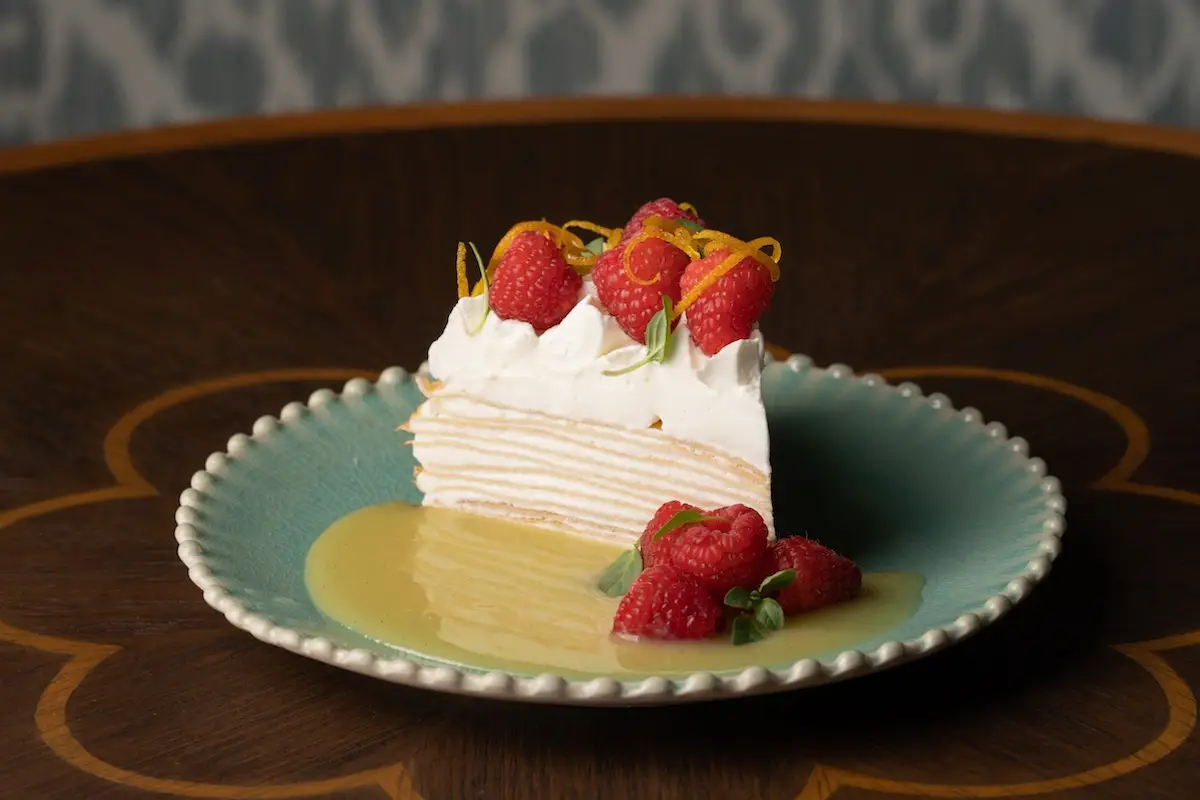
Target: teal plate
pixel 899 481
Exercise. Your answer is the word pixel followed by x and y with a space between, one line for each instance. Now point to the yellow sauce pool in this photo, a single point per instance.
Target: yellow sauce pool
pixel 496 595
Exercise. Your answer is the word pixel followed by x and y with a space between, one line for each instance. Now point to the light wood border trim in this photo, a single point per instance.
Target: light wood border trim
pixel 242 130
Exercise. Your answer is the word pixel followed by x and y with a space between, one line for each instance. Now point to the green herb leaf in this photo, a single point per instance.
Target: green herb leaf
pixel 483 273
pixel 618 576
pixel 737 597
pixel 667 339
pixel 769 614
pixel 691 226
pixel 681 518
pixel 597 245
pixel 659 328
pixel 777 582
pixel 746 630
pixel 658 340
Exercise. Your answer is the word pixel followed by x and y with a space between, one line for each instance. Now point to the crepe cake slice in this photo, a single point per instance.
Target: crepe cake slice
pixel 579 386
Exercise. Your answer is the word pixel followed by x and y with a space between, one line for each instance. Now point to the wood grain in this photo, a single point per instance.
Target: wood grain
pixel 1026 272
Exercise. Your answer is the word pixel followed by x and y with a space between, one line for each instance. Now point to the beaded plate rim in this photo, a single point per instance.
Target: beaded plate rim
pixel 606 691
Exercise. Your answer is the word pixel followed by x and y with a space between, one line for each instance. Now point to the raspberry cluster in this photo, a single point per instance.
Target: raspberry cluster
pixel 694 573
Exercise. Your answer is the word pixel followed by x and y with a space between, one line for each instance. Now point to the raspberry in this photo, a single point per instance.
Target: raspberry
pixel 728 310
pixel 663 603
pixel 663 207
pixel 658 551
pixel 823 577
pixel 722 553
pixel 533 283
pixel 630 303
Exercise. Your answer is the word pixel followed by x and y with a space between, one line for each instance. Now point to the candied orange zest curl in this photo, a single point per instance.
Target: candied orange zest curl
pixel 691 208
pixel 670 231
pixel 678 234
pixel 575 251
pixel 734 258
pixel 752 248
pixel 562 238
pixel 738 251
pixel 628 266
pixel 646 234
pixel 460 264
pixel 776 253
pixel 582 262
pixel 543 227
pixel 579 256
pixel 584 225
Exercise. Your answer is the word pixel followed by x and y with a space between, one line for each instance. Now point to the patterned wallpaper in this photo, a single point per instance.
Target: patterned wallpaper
pixel 70 67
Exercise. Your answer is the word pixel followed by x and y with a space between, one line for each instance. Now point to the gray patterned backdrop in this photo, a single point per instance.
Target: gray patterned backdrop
pixel 71 67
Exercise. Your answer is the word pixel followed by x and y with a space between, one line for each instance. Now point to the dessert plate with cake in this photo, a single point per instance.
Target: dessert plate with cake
pixel 601 489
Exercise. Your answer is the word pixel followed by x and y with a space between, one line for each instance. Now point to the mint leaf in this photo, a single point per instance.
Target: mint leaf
pixel 618 576
pixel 766 615
pixel 691 226
pixel 597 245
pixel 658 330
pixel 487 304
pixel 777 582
pixel 668 339
pixel 737 597
pixel 658 340
pixel 681 518
pixel 769 614
pixel 746 630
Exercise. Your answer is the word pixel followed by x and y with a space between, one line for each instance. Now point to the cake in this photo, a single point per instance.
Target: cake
pixel 613 390
pixel 578 385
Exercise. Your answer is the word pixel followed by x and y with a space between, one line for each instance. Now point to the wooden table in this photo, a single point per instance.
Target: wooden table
pixel 159 291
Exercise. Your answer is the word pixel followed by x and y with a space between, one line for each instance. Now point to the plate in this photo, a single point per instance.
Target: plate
pixel 899 481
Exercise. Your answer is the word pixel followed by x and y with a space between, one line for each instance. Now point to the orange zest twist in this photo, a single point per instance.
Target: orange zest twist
pixel 581 257
pixel 738 251
pixel 753 248
pixel 670 231
pixel 691 208
pixel 574 250
pixel 536 226
pixel 584 225
pixel 460 265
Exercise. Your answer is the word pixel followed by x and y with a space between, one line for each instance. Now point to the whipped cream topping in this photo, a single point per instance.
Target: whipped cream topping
pixel 713 400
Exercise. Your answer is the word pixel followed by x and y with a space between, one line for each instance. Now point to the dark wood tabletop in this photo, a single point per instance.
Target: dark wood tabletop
pixel 159 291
